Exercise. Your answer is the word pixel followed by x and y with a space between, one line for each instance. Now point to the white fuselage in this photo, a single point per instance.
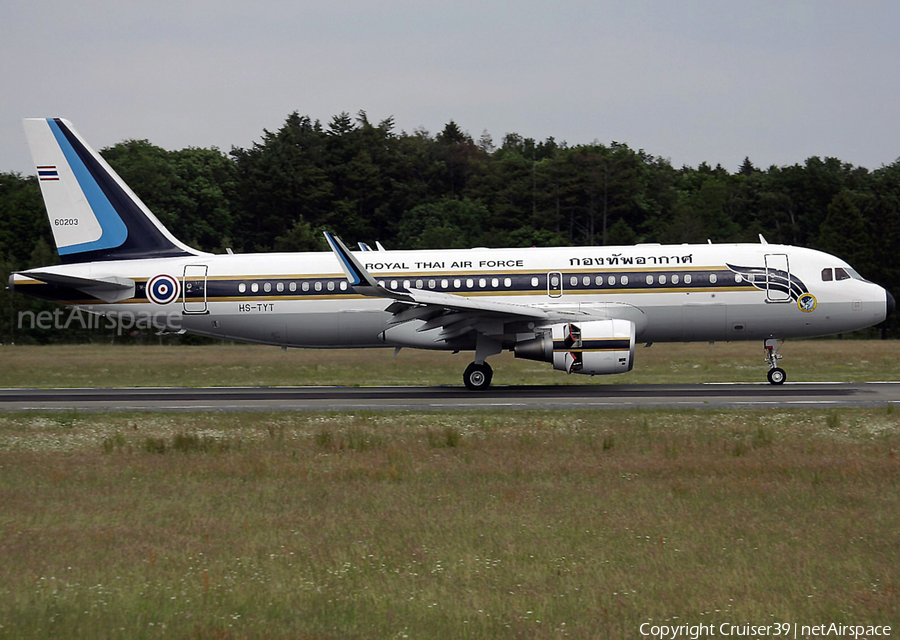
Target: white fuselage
pixel 670 292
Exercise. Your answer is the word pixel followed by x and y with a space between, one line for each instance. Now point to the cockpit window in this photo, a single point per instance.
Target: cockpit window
pixel 840 273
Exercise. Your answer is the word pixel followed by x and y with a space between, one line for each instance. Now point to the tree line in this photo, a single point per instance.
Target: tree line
pixel 367 181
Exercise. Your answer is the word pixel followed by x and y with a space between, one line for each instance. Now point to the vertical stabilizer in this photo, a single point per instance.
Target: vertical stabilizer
pixel 93 214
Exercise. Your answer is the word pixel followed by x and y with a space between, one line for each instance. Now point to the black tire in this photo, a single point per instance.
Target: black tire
pixel 478 376
pixel 776 376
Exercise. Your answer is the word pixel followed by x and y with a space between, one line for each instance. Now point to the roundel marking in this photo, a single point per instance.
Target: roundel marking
pixel 807 302
pixel 162 289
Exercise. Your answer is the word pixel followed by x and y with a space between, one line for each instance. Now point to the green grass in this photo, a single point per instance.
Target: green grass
pixel 480 525
pixel 240 365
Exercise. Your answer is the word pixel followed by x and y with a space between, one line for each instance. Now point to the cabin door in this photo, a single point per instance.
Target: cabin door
pixel 778 278
pixel 193 289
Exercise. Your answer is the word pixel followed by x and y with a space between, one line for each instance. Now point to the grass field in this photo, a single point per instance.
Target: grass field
pixel 420 525
pixel 239 365
pixel 533 524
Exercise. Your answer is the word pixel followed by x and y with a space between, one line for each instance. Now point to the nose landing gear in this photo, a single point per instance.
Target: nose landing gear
pixel 776 374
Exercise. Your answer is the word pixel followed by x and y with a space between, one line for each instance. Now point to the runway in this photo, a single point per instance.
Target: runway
pixel 713 396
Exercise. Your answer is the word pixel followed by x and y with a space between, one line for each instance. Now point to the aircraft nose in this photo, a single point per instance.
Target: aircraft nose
pixel 891 304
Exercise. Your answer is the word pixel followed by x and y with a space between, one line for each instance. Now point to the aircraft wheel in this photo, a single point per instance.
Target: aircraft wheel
pixel 478 376
pixel 777 376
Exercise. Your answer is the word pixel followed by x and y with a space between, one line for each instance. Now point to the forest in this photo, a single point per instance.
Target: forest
pixel 367 181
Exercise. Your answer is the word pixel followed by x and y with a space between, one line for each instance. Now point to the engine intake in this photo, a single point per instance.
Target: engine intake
pixel 597 347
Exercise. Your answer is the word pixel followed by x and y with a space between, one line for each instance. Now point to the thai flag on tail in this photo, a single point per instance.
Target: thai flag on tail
pixel 47 172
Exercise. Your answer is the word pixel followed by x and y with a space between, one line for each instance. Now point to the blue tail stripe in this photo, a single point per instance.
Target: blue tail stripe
pixel 114 232
pixel 128 233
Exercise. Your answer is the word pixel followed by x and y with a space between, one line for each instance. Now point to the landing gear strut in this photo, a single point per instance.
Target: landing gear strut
pixel 478 376
pixel 776 374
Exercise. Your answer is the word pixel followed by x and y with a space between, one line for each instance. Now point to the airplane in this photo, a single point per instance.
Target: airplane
pixel 580 309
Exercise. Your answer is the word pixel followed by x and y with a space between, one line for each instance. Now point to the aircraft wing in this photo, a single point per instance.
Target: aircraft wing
pixel 461 303
pixel 363 282
pixel 454 314
pixel 457 315
pixel 109 288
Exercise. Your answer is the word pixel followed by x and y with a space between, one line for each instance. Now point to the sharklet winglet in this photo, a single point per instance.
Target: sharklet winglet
pixel 357 276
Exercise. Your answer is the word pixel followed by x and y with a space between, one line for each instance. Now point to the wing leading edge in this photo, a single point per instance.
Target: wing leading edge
pixel 455 315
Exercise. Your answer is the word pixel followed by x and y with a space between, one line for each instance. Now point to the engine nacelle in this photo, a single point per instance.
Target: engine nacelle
pixel 597 347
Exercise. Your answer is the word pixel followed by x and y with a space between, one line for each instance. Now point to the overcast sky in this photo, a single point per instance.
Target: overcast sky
pixel 689 80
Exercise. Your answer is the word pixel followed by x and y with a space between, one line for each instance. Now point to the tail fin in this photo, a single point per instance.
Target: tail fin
pixel 93 214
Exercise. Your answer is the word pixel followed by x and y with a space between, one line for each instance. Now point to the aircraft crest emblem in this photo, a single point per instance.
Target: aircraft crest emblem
pixel 162 289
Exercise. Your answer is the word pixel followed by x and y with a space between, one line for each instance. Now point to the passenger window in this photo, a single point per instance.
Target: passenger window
pixel 267 287
pixel 432 284
pixel 482 283
pixel 611 280
pixel 318 285
pixel 406 284
pixel 507 282
pixel 586 281
pixel 495 282
pixel 305 286
pixel 445 284
pixel 662 278
pixel 279 287
pixel 331 285
pixel 293 287
pixel 840 274
pixel 470 283
pixel 419 284
pixel 624 279
pixel 598 281
pixel 242 288
pixel 649 278
pixel 674 278
pixel 573 281
pixel 713 278
pixel 687 278
pixel 827 275
pixel 343 285
pixel 534 282
pixel 457 284
pixel 254 287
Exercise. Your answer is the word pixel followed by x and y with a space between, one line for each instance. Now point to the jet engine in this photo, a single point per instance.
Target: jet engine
pixel 596 347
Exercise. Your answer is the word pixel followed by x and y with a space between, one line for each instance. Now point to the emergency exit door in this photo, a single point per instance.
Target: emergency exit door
pixel 193 288
pixel 554 284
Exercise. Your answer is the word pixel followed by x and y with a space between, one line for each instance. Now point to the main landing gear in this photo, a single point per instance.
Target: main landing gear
pixel 776 374
pixel 478 376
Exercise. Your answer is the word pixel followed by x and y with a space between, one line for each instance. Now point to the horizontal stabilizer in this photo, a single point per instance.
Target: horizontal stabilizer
pixel 109 288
